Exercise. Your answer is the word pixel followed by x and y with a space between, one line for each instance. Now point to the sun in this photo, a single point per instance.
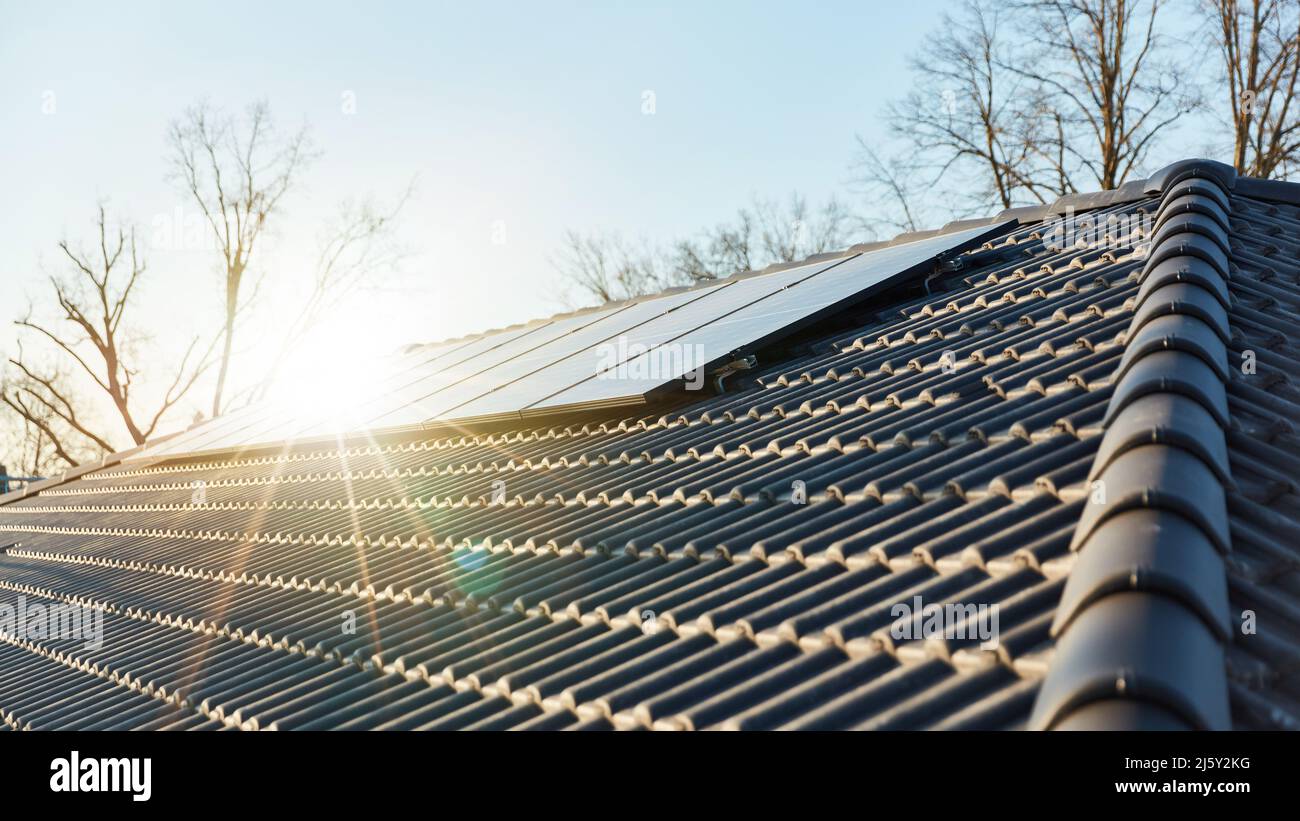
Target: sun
pixel 331 383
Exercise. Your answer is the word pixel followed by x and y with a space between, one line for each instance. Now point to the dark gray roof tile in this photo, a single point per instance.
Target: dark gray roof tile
pixel 1138 647
pixel 1171 372
pixel 1179 333
pixel 1154 551
pixel 1168 419
pixel 1186 299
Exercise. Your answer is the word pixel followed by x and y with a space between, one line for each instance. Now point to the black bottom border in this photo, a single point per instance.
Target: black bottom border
pixel 385 772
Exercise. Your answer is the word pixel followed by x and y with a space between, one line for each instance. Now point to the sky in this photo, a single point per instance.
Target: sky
pixel 518 120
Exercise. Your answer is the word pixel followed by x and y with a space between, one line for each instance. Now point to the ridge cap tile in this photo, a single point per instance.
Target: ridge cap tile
pixel 1142 622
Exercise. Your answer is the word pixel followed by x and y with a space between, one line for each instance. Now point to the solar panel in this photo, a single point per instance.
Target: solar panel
pixel 621 355
pixel 700 336
pixel 665 326
pixel 501 381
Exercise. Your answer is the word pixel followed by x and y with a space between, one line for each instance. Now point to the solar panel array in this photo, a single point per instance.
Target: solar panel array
pixel 620 355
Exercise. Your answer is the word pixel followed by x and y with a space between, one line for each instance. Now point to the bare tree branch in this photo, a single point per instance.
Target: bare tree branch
pixel 92 303
pixel 608 268
pixel 973 130
pixel 896 179
pixel 237 171
pixel 1258 42
pixel 358 246
pixel 40 422
pixel 1106 69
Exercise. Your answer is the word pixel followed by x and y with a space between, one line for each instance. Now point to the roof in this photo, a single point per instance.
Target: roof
pixel 1094 443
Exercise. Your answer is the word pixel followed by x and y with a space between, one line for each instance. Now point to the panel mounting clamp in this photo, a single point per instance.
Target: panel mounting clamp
pixel 741 362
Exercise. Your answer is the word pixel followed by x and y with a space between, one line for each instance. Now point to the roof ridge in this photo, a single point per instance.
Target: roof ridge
pixel 1143 620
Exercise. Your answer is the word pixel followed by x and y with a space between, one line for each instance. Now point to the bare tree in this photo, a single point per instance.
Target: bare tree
pixel 238 172
pixel 969 121
pixel 894 184
pixel 88 336
pixel 1106 70
pixel 1259 44
pixel 1017 102
pixel 28 443
pixel 763 233
pixel 722 250
pixel 31 437
pixel 609 268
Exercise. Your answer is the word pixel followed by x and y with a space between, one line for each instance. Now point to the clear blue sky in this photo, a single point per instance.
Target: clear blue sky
pixel 522 114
